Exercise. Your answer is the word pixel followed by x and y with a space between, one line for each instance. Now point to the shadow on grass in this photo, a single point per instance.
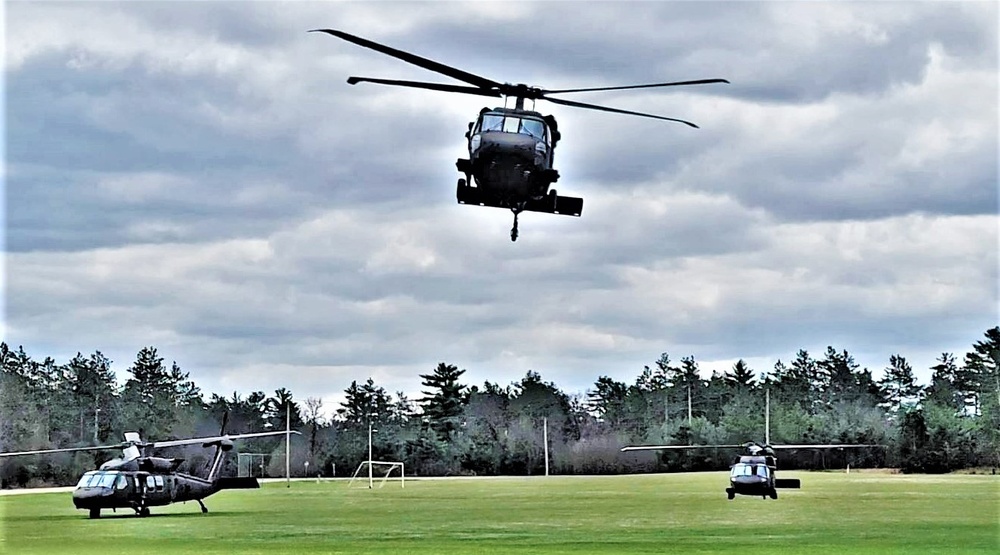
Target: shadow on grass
pixel 122 516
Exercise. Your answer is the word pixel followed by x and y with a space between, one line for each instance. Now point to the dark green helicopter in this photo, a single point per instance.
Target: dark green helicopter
pixel 754 472
pixel 137 481
pixel 510 163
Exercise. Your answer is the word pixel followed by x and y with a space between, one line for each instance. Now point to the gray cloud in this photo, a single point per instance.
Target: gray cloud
pixel 199 177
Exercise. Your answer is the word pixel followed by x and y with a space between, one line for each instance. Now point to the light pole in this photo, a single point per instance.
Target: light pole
pixel 369 452
pixel 97 411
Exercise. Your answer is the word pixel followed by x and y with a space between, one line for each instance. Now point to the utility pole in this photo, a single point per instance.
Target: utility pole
pixel 97 411
pixel 689 406
pixel 288 443
pixel 369 452
pixel 545 439
pixel 767 417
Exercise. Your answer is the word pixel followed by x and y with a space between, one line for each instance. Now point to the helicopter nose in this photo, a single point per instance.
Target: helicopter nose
pixel 84 498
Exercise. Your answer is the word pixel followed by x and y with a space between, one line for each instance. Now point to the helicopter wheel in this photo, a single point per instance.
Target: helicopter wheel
pixel 553 197
pixel 513 230
pixel 144 512
pixel 730 494
pixel 95 513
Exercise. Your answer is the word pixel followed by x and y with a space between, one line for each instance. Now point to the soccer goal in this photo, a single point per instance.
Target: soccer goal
pixel 252 464
pixel 384 470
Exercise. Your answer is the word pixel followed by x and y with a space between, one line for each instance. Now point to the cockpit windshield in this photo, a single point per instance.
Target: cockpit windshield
pixel 749 470
pixel 98 479
pixel 513 124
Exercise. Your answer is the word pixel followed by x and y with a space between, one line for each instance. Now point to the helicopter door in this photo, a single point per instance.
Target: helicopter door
pixel 138 490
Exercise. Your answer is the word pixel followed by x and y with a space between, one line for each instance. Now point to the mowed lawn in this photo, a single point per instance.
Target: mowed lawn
pixel 838 513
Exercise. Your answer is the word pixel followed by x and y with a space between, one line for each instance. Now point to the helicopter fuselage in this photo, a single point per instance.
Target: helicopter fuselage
pixel 755 474
pixel 510 163
pixel 138 490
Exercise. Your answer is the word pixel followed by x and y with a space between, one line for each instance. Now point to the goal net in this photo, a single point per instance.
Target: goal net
pixel 252 465
pixel 381 470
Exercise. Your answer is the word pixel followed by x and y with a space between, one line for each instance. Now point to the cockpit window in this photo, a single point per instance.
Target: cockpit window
pixel 512 124
pixel 98 480
pixel 492 122
pixel 533 127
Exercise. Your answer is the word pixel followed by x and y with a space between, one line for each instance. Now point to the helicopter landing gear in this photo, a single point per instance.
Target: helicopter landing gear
pixel 143 511
pixel 95 513
pixel 204 509
pixel 730 493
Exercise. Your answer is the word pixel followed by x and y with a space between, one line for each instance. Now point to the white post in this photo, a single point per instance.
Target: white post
pixel 767 417
pixel 689 406
pixel 545 439
pixel 288 445
pixel 369 453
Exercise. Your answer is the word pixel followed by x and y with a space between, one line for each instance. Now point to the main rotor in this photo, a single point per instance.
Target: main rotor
pixel 482 86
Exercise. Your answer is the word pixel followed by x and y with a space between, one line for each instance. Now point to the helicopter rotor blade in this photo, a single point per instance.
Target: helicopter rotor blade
pixel 204 440
pixel 614 110
pixel 425 63
pixel 659 447
pixel 824 445
pixel 429 86
pixel 650 85
pixel 64 450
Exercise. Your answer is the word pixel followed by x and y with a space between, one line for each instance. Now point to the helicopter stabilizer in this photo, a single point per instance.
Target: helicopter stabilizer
pixel 238 483
pixel 566 206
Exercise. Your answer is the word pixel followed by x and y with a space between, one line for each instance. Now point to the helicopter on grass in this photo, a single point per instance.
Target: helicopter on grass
pixel 754 472
pixel 137 481
pixel 510 163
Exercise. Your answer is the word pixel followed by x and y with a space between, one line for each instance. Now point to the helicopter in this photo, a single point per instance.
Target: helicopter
pixel 755 471
pixel 136 481
pixel 511 150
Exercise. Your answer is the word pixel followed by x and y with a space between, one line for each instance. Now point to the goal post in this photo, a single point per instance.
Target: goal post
pixel 251 464
pixel 386 466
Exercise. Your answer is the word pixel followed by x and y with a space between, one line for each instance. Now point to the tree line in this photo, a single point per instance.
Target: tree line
pixel 459 429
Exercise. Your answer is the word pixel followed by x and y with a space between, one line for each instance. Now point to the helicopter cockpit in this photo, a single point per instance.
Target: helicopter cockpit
pixel 511 124
pixel 743 469
pixel 102 479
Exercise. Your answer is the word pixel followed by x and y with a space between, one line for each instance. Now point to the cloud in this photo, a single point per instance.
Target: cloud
pixel 200 178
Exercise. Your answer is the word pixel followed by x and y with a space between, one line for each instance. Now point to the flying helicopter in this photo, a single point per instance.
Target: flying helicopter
pixel 137 481
pixel 511 150
pixel 754 472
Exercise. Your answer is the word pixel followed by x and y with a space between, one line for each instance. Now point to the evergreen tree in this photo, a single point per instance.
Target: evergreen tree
pixel 740 377
pixel 443 398
pixel 943 389
pixel 898 385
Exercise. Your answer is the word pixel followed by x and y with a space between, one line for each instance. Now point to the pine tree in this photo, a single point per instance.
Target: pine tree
pixel 443 398
pixel 898 386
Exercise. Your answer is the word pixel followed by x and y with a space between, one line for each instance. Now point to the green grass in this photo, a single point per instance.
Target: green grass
pixel 667 513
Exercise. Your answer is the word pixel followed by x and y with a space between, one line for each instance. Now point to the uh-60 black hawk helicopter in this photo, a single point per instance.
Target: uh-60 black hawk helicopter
pixel 510 163
pixel 136 481
pixel 754 472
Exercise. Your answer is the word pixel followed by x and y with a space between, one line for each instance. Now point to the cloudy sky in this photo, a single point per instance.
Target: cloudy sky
pixel 199 177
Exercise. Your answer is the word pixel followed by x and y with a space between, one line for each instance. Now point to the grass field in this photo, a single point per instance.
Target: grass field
pixel 666 513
